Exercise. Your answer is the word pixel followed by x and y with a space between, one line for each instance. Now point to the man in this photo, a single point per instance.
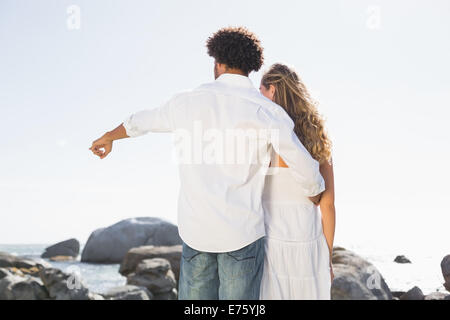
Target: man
pixel 220 216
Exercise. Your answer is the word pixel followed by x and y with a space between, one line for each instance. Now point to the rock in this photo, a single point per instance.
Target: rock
pixel 61 258
pixel 437 296
pixel 128 292
pixel 10 261
pixel 14 287
pixel 41 263
pixel 172 295
pixel 33 271
pixel 69 248
pixel 397 294
pixel 63 286
pixel 401 259
pixel 95 296
pixel 111 244
pixel 445 267
pixel 136 255
pixel 14 271
pixel 4 273
pixel 413 294
pixel 153 266
pixel 154 274
pixel 356 278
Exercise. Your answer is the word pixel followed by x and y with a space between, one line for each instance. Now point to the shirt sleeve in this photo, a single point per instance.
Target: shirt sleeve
pixel 150 120
pixel 286 143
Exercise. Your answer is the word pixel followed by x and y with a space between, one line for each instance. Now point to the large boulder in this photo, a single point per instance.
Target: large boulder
pixel 136 255
pixel 156 275
pixel 356 278
pixel 128 292
pixel 15 287
pixel 69 248
pixel 445 267
pixel 111 244
pixel 64 286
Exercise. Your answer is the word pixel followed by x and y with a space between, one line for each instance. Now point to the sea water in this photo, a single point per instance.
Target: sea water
pixel 424 271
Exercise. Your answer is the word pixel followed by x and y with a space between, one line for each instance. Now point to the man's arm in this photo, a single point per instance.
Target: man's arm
pixel 286 143
pixel 305 168
pixel 139 123
pixel 279 162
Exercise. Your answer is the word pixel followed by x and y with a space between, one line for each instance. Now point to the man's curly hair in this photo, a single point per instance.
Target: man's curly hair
pixel 236 47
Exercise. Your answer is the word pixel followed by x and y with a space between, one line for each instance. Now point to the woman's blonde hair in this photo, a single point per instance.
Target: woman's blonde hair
pixel 292 95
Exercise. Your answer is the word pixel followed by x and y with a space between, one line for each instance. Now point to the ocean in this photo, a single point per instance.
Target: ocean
pixel 424 271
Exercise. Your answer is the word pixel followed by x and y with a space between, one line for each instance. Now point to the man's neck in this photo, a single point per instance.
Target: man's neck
pixel 236 71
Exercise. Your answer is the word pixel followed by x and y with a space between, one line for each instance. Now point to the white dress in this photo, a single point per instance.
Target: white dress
pixel 296 263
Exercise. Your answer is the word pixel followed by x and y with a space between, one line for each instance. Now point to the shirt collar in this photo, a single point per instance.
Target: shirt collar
pixel 235 80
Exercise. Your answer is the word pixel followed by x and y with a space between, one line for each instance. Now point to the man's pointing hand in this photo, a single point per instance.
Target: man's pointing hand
pixel 102 146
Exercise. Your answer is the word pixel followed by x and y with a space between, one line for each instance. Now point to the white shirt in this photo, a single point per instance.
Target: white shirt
pixel 219 204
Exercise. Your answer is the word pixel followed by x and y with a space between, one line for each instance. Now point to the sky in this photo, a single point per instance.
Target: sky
pixel 72 70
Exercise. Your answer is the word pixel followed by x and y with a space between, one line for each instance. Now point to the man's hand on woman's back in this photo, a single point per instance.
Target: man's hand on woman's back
pixel 316 199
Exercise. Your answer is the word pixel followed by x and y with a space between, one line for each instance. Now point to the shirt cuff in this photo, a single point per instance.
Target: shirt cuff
pixel 319 188
pixel 130 130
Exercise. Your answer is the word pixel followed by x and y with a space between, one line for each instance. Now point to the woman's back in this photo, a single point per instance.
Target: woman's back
pixel 289 215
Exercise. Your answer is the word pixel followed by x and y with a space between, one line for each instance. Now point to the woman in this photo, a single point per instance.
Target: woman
pixel 299 237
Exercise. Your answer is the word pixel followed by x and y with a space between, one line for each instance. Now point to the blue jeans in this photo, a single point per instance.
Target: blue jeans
pixel 234 275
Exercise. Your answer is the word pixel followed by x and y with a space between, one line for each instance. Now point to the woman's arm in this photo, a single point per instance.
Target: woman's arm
pixel 327 205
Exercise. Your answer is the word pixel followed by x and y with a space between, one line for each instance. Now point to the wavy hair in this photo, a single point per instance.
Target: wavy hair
pixel 237 47
pixel 292 95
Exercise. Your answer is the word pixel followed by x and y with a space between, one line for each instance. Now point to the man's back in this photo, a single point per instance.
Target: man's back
pixel 222 148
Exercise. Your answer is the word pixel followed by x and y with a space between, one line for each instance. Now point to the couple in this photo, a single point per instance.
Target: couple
pixel 248 234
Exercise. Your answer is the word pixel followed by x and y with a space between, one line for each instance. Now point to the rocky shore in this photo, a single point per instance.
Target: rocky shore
pixel 149 252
